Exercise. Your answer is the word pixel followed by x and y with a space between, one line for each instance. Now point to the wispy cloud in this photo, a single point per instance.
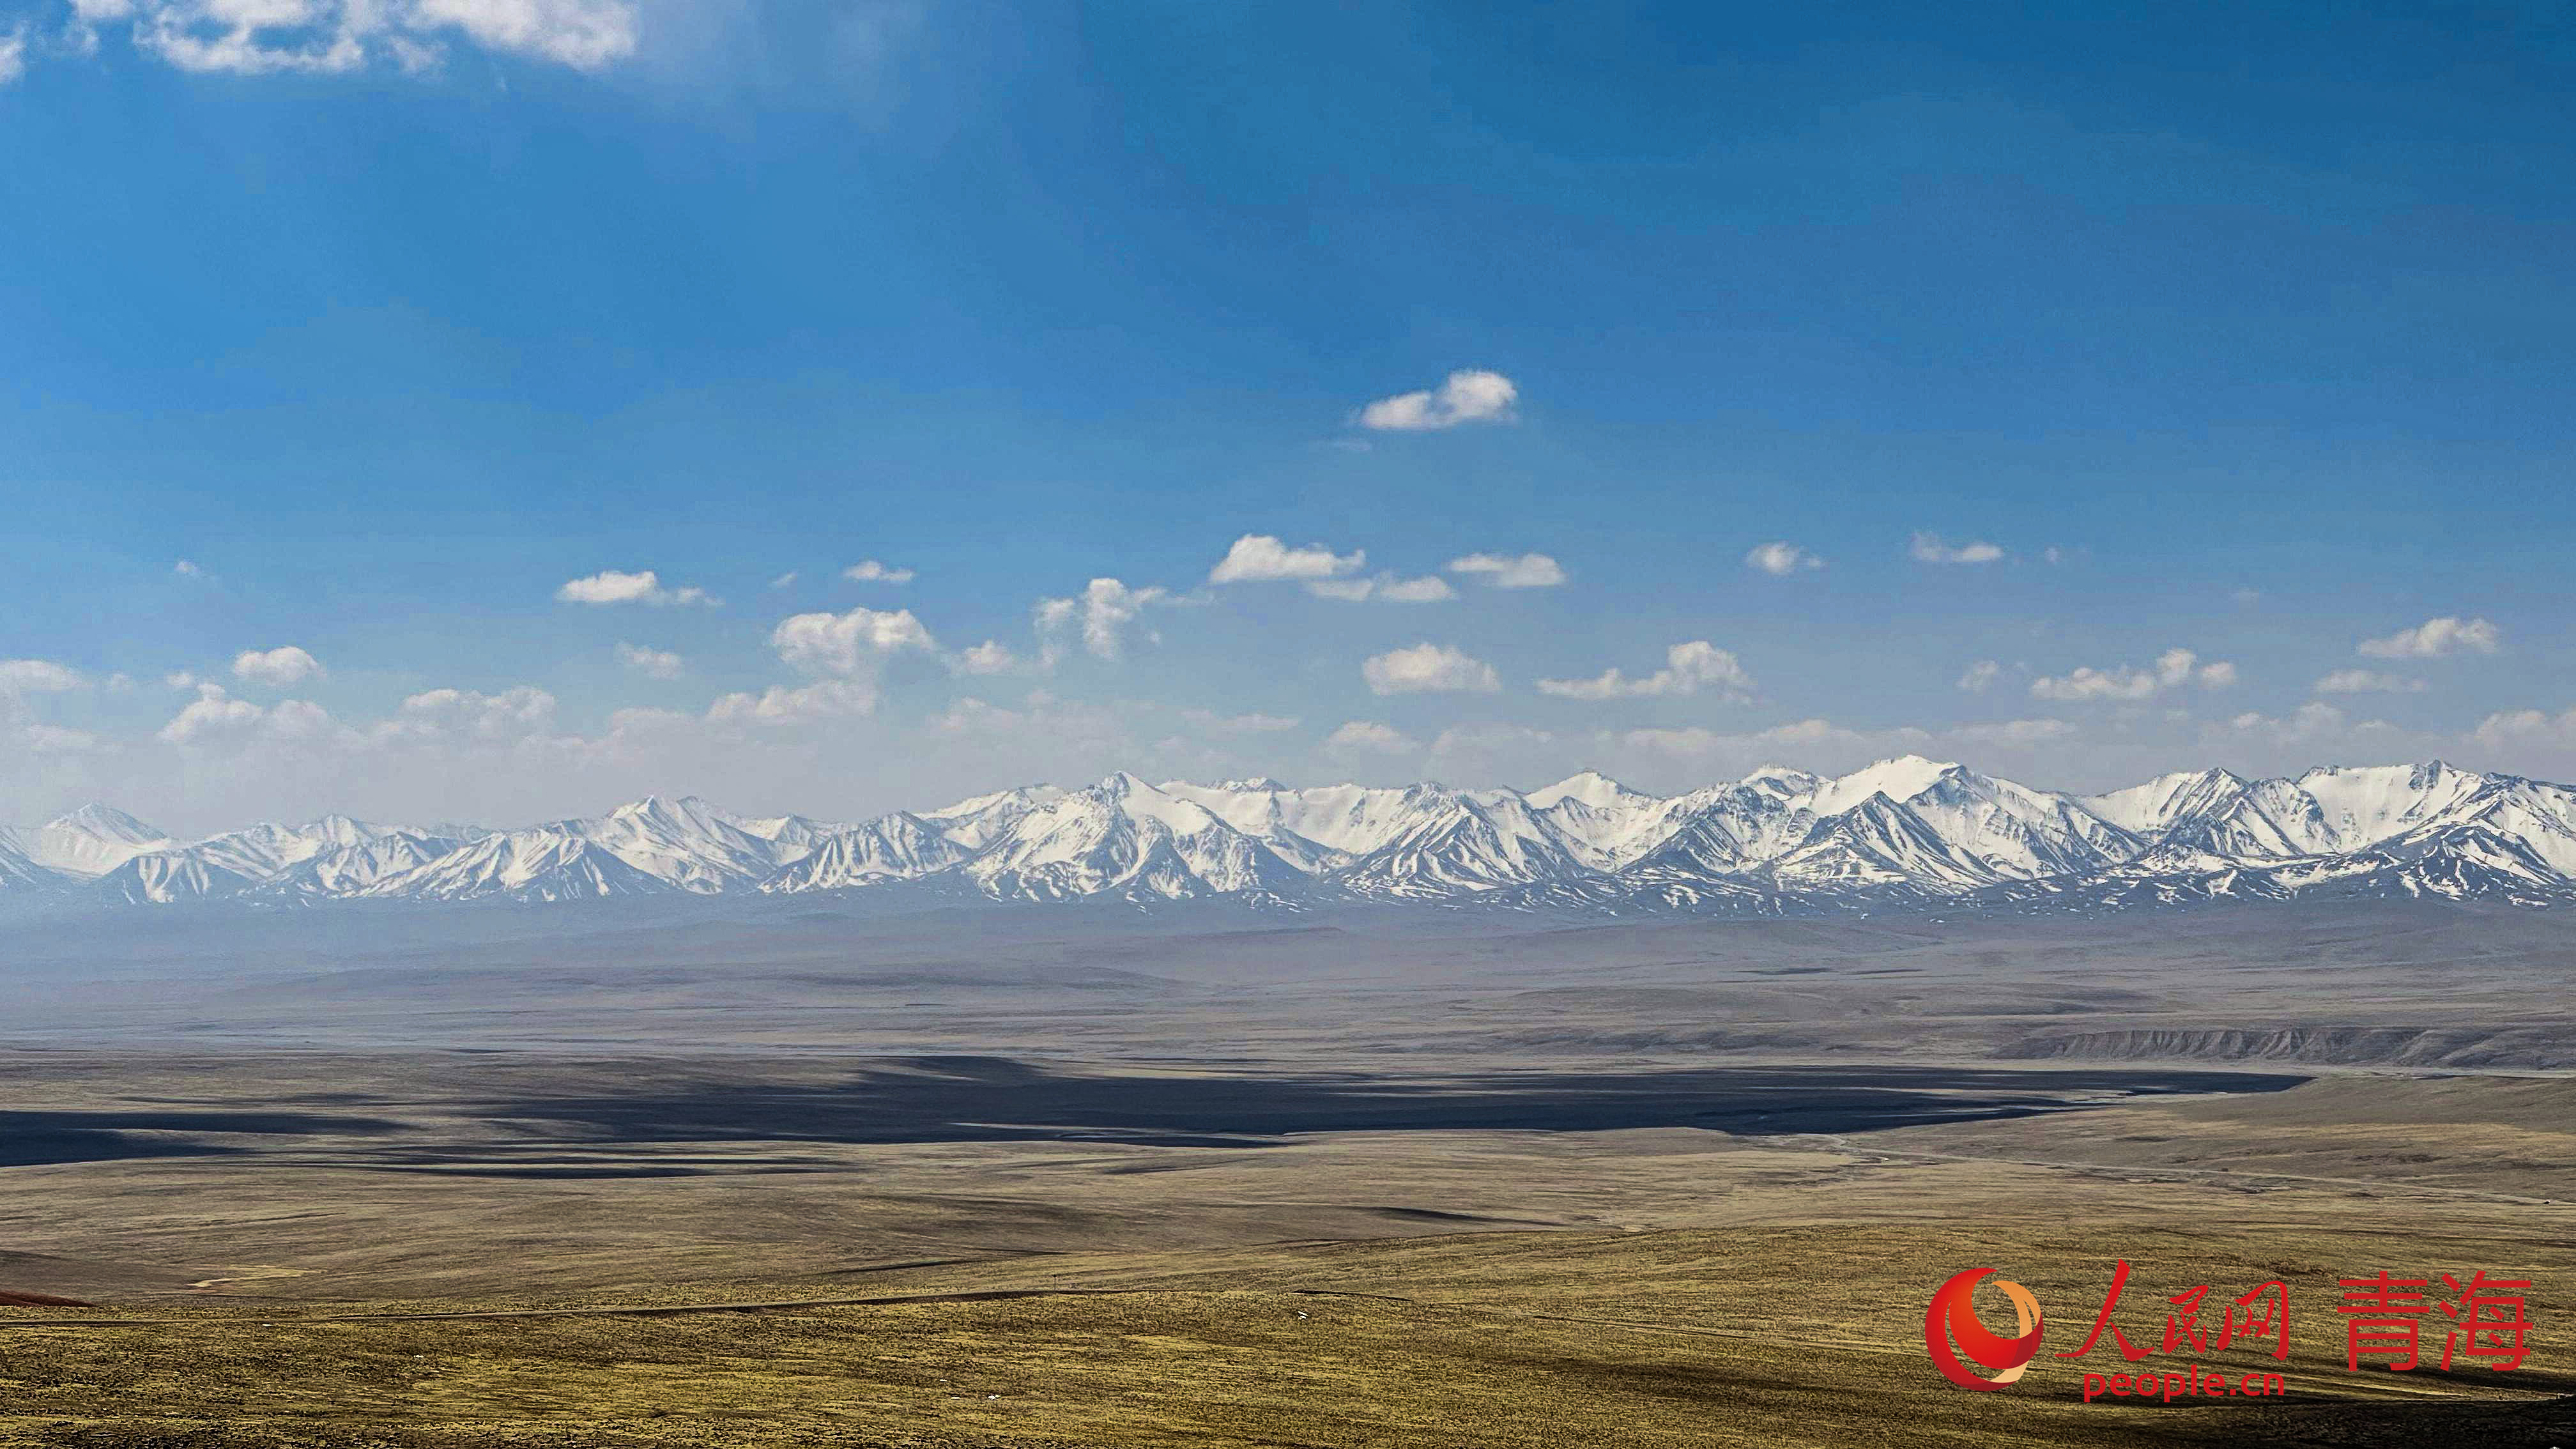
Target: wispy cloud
pixel 1384 589
pixel 270 37
pixel 2173 669
pixel 1362 736
pixel 651 663
pixel 2366 681
pixel 1781 559
pixel 1929 548
pixel 869 571
pixel 1507 571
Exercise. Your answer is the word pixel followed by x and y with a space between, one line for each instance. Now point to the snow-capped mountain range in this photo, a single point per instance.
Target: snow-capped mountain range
pixel 1905 832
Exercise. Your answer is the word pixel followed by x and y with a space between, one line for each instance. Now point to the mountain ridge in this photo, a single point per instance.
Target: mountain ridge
pixel 1901 833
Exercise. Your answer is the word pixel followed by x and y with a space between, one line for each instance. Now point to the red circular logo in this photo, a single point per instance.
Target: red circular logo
pixel 1953 1315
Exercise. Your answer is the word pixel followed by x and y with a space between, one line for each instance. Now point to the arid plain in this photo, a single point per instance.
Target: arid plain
pixel 805 1178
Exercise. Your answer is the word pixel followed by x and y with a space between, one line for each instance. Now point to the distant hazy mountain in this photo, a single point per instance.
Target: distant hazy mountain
pixel 1903 832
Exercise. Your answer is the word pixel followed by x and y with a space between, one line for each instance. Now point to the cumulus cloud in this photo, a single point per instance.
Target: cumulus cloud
pixel 1101 614
pixel 1688 669
pixel 651 663
pixel 269 37
pixel 1504 571
pixel 848 645
pixel 1781 559
pixel 2435 638
pixel 869 571
pixel 1928 548
pixel 186 570
pixel 516 713
pixel 612 587
pixel 1428 669
pixel 213 715
pixel 1980 676
pixel 2366 681
pixel 989 657
pixel 1384 589
pixel 276 667
pixel 1260 557
pixel 37 676
pixel 2172 670
pixel 1467 396
pixel 1361 736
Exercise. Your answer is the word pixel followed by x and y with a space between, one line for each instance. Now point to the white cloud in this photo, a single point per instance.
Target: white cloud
pixel 1980 676
pixel 211 715
pixel 1928 548
pixel 651 663
pixel 2366 681
pixel 1467 396
pixel 37 676
pixel 267 37
pixel 1799 735
pixel 821 700
pixel 13 55
pixel 989 657
pixel 516 713
pixel 612 587
pixel 1259 557
pixel 187 570
pixel 1688 669
pixel 1528 571
pixel 1781 559
pixel 2435 638
pixel 1239 724
pixel 783 580
pixel 1101 612
pixel 1428 669
pixel 869 571
pixel 278 667
pixel 2308 724
pixel 850 644
pixel 1385 589
pixel 41 739
pixel 1370 737
pixel 2016 732
pixel 2524 727
pixel 2173 669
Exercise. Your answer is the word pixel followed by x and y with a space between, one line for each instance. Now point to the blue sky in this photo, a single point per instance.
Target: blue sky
pixel 2240 332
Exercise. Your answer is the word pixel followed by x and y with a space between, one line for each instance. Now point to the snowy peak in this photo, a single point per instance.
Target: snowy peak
pixel 90 841
pixel 1592 788
pixel 1899 779
pixel 106 823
